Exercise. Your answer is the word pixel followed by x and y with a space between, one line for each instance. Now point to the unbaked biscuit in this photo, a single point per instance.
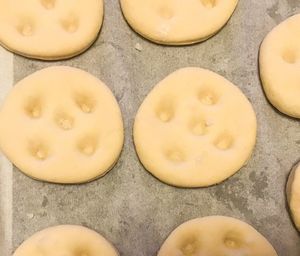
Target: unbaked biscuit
pixel 66 240
pixel 293 194
pixel 177 22
pixel 61 125
pixel 216 235
pixel 194 129
pixel 280 66
pixel 49 29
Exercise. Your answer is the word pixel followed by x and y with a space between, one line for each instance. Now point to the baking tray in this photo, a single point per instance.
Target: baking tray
pixel 130 207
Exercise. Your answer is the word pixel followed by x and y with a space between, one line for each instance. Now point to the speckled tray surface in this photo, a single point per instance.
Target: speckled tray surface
pixel 128 206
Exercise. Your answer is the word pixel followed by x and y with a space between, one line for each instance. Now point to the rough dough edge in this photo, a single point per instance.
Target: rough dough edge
pixel 83 181
pixel 174 43
pixel 213 217
pixel 64 57
pixel 288 191
pixel 66 226
pixel 192 186
pixel 264 83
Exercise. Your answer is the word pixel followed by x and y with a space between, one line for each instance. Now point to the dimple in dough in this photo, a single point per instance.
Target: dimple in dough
pixel 194 129
pixel 66 240
pixel 216 235
pixel 280 66
pixel 293 194
pixel 49 29
pixel 61 125
pixel 177 22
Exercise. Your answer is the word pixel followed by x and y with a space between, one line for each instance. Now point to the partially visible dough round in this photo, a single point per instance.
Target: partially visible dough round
pixel 280 66
pixel 61 125
pixel 66 240
pixel 177 22
pixel 49 29
pixel 216 235
pixel 194 129
pixel 293 194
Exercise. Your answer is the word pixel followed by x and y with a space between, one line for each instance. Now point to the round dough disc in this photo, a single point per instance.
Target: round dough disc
pixel 216 235
pixel 49 29
pixel 293 194
pixel 177 22
pixel 61 125
pixel 194 129
pixel 66 240
pixel 280 66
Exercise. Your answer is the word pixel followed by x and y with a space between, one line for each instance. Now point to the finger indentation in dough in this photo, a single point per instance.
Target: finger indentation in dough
pixel 165 111
pixel 26 28
pixel 85 103
pixel 70 24
pixel 39 150
pixel 48 4
pixel 289 56
pixel 64 121
pixel 82 252
pixel 175 155
pixel 209 3
pixel 198 126
pixel 190 247
pixel 208 97
pixel 233 240
pixel 33 107
pixel 88 145
pixel 224 141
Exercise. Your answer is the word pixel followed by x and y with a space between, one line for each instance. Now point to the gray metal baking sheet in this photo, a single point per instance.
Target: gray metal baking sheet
pixel 128 206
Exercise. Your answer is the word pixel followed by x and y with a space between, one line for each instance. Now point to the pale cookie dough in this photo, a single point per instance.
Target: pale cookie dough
pixel 49 29
pixel 293 194
pixel 177 22
pixel 61 125
pixel 194 129
pixel 66 240
pixel 216 235
pixel 280 66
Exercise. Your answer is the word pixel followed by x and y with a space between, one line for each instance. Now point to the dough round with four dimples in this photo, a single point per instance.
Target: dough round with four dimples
pixel 177 22
pixel 194 129
pixel 280 66
pixel 49 29
pixel 66 240
pixel 216 235
pixel 61 125
pixel 293 194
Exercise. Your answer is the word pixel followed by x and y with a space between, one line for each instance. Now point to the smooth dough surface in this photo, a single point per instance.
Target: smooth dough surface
pixel 293 194
pixel 194 129
pixel 216 235
pixel 49 29
pixel 61 125
pixel 66 240
pixel 280 66
pixel 177 22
